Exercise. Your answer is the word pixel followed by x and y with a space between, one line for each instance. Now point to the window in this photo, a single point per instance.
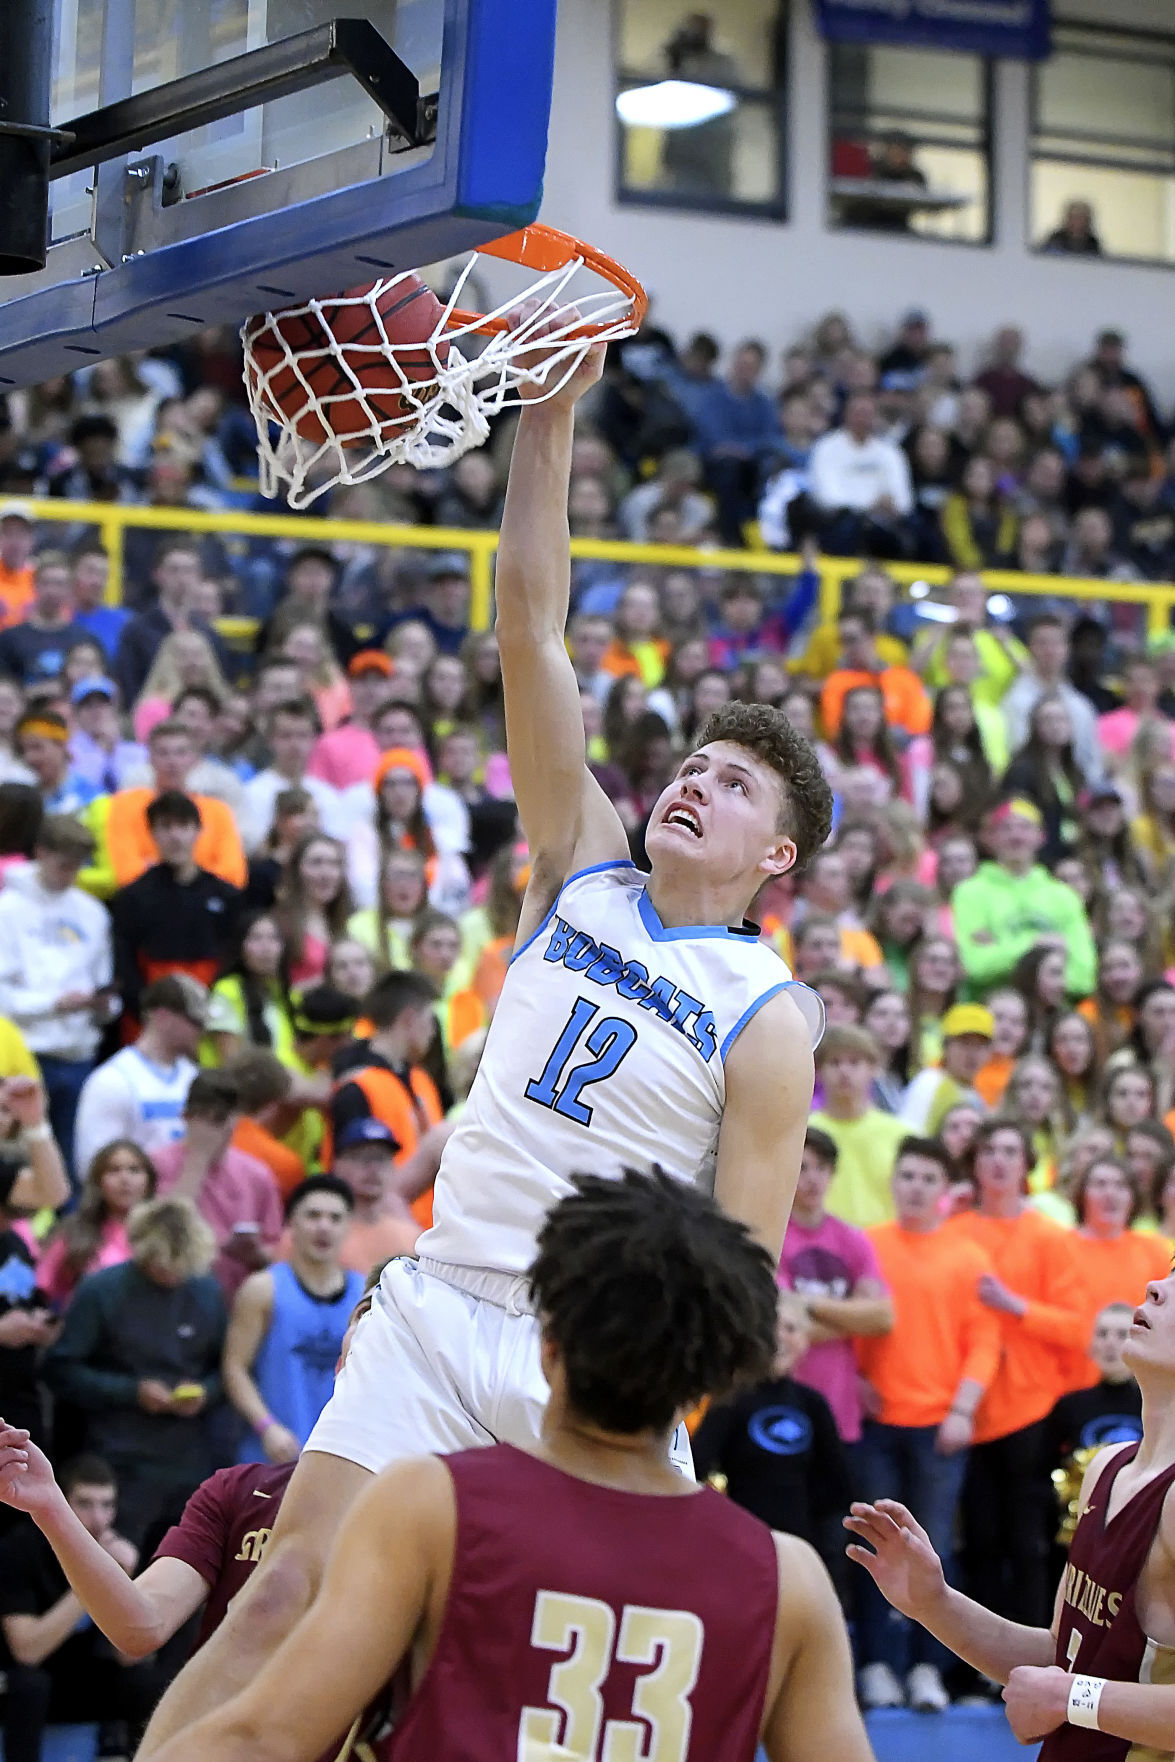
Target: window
pixel 698 101
pixel 1103 145
pixel 909 149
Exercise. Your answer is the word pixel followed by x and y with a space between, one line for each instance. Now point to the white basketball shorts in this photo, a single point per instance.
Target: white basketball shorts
pixel 447 1358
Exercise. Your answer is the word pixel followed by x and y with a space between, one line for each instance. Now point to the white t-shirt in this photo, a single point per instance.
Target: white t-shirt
pixel 130 1097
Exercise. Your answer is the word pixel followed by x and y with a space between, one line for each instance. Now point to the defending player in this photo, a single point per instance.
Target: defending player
pixel 1100 1685
pixel 641 1021
pixel 564 1602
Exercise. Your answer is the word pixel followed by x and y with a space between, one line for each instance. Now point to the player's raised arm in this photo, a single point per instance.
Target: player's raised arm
pixel 566 817
pixel 769 1081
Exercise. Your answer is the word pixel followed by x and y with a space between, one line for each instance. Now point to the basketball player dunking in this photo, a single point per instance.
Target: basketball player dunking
pixel 578 1599
pixel 642 1021
pixel 1100 1685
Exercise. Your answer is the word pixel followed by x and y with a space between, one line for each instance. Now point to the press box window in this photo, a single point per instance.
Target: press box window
pixel 1103 145
pixel 909 148
pixel 699 104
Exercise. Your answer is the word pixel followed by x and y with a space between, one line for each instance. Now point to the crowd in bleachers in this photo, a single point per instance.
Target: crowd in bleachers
pixel 258 903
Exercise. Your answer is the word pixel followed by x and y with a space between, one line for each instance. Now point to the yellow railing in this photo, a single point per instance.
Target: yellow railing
pixel 111 520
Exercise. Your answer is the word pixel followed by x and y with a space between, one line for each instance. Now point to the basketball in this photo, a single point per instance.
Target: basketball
pixel 344 347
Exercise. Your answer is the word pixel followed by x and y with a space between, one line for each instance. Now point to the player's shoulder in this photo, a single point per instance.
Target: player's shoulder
pixel 780 1024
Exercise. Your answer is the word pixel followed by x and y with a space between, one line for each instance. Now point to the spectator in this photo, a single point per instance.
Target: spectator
pixel 385 1080
pixel 266 1088
pixel 91 609
pixel 927 1375
pixel 94 1236
pixel 349 753
pixel 42 737
pixel 907 707
pixel 1108 364
pixel 1045 772
pixel 287 1324
pixel 56 967
pixel 177 917
pixel 382 1224
pixel 30 1179
pixel 175 576
pixel 978 524
pixel 737 428
pixel 17 543
pixel 1005 382
pixel 98 754
pixel 444 610
pixel 35 648
pixel 139 1093
pixel 1011 904
pixel 139 1353
pixel 847 1062
pixel 59 1667
pixel 776 1445
pixel 250 1001
pixel 1075 236
pixel 1035 1292
pixel 293 731
pixel 122 830
pixel 832 1267
pixel 860 482
pixel 1114 1262
pixel 967 1033
pixel 1110 1411
pixel 233 1192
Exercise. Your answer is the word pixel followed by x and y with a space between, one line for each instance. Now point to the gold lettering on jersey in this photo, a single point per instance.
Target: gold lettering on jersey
pixel 1098 1605
pixel 253 1545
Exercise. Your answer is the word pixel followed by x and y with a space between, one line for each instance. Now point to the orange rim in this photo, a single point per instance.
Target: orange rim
pixel 545 249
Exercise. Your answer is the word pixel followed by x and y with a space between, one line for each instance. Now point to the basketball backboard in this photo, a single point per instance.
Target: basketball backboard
pixel 229 156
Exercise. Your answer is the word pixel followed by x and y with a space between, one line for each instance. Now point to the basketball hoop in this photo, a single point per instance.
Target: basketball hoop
pixel 343 388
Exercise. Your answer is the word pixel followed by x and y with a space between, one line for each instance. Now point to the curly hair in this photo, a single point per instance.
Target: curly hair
pixel 653 1297
pixel 767 734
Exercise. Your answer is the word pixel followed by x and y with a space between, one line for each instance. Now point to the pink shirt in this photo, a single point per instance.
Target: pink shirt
pixel 239 1189
pixel 830 1261
pixel 54 1275
pixel 1117 728
pixel 345 756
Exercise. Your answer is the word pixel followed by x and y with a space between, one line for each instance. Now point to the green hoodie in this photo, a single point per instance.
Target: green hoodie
pixel 999 917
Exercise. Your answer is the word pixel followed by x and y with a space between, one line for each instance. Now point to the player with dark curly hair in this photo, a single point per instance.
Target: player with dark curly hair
pixel 562 1601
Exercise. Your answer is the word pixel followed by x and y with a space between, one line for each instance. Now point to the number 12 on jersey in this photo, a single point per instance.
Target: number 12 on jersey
pixel 608 1042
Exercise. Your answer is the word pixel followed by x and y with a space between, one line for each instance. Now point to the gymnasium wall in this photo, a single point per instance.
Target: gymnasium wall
pixel 770 279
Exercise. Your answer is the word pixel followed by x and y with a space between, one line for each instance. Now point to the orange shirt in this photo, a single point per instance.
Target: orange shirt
pixel 288 1169
pixel 1037 1260
pixel 858 948
pixel 367 1244
pixel 16 593
pixel 903 693
pixel 127 850
pixel 941 1332
pixel 1115 1271
pixel 993 1079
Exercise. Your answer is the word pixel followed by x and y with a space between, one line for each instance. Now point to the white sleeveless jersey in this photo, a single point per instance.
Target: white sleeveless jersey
pixel 606 1051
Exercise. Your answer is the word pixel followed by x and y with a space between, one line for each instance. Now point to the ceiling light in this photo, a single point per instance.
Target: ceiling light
pixel 673 104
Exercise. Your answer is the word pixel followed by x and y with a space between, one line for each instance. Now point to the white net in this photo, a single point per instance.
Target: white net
pixel 422 403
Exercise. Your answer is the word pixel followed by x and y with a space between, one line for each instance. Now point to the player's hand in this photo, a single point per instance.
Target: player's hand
pixel 25 1100
pixel 26 1478
pixel 153 1396
pixel 1037 1700
pixel 539 354
pixel 954 1434
pixel 900 1559
pixel 280 1444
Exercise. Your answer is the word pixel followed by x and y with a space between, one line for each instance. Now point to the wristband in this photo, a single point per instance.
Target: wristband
pixel 1084 1698
pixel 38 1134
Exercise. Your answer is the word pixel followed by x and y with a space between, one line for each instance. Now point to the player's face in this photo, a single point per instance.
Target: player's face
pixel 719 819
pixel 1150 1341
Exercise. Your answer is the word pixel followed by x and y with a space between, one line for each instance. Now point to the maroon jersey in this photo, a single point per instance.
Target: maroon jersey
pixel 1099 1632
pixel 580 1617
pixel 224 1529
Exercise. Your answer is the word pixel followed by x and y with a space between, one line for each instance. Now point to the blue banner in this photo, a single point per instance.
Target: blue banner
pixel 1018 29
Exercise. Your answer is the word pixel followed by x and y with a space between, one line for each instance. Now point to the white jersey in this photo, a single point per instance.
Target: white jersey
pixel 131 1097
pixel 606 1051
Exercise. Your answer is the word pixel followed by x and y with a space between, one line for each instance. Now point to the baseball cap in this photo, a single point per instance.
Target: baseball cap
pixel 370 661
pixel 16 511
pixel 968 1018
pixel 369 1131
pixel 179 993
pixel 95 686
